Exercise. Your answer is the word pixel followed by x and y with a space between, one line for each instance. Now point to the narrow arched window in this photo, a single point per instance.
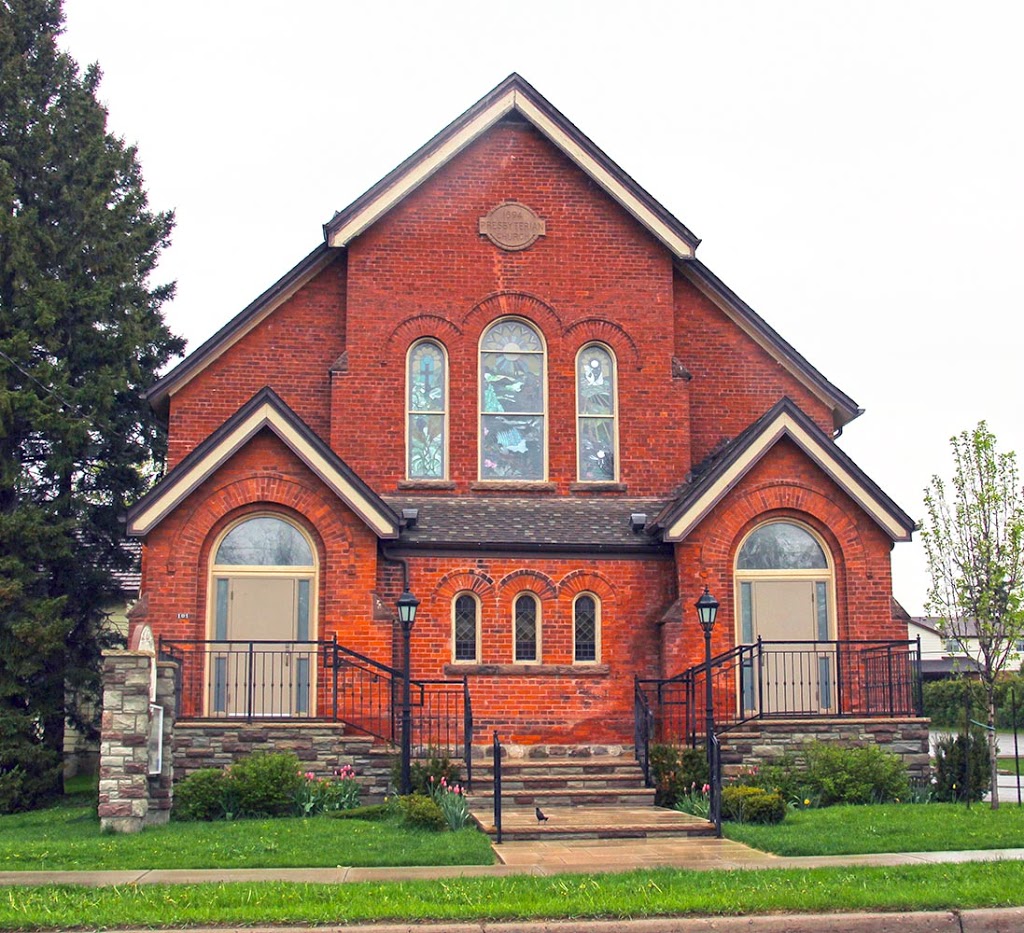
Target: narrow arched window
pixel 465 628
pixel 513 395
pixel 586 621
pixel 596 434
pixel 427 401
pixel 527 628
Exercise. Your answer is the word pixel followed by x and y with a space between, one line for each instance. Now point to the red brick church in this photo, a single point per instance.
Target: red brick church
pixel 505 384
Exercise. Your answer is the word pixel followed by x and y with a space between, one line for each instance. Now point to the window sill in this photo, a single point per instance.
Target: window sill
pixel 426 484
pixel 497 485
pixel 584 669
pixel 598 487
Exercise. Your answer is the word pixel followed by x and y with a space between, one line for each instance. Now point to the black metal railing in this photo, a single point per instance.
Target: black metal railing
pixel 643 729
pixel 322 680
pixel 715 780
pixel 496 752
pixel 792 679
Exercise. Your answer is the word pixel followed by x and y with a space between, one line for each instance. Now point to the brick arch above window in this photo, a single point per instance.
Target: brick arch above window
pixel 598 330
pixel 512 304
pixel 586 581
pixel 532 581
pixel 422 326
pixel 463 581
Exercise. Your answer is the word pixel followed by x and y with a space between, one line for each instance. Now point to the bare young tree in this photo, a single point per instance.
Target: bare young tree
pixel 975 549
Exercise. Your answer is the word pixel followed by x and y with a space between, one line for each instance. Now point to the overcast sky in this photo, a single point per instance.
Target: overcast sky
pixel 853 168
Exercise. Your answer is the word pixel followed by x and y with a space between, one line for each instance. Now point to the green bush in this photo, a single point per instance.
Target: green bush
pixel 267 784
pixel 676 772
pixel 744 804
pixel 782 776
pixel 422 812
pixel 953 755
pixel 202 795
pixel 944 701
pixel 838 774
pixel 29 772
pixel 437 766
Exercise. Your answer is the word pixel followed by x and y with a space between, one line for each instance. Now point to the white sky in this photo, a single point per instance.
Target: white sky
pixel 854 168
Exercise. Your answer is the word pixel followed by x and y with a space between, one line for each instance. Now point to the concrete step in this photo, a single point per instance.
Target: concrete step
pixel 566 797
pixel 586 822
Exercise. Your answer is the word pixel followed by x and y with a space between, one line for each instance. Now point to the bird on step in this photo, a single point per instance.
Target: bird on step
pixel 541 818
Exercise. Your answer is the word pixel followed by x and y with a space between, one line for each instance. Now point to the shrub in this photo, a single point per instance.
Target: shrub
pixel 427 774
pixel 742 804
pixel 676 772
pixel 944 701
pixel 953 755
pixel 422 812
pixel 29 772
pixel 782 776
pixel 267 784
pixel 371 812
pixel 836 774
pixel 201 796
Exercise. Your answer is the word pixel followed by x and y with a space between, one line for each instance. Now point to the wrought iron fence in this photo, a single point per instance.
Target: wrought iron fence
pixel 794 679
pixel 322 680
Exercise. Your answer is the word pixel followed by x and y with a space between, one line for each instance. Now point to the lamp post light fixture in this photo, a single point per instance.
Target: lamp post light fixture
pixel 707 612
pixel 407 605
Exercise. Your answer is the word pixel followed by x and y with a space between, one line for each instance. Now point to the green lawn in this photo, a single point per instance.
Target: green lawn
pixel 1008 764
pixel 887 828
pixel 68 837
pixel 660 892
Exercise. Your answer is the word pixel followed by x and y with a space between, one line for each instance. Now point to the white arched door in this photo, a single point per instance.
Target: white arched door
pixel 785 584
pixel 263 661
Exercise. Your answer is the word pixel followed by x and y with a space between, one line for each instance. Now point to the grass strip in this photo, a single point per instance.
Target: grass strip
pixel 651 893
pixel 68 838
pixel 932 827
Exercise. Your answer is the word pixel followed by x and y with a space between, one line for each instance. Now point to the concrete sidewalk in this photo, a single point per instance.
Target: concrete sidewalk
pixel 541 858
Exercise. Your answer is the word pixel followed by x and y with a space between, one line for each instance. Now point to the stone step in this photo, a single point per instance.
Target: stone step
pixel 613 783
pixel 566 797
pixel 587 822
pixel 560 766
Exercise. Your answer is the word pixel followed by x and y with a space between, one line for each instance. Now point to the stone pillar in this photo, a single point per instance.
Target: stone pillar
pixel 161 785
pixel 124 739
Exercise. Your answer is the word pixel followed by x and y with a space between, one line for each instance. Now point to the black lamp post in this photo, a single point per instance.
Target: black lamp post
pixel 407 604
pixel 707 612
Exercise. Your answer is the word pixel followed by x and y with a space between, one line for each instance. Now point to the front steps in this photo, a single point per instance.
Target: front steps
pixel 583 798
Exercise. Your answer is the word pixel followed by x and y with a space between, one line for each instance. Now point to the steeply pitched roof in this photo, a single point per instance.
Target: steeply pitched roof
pixel 591 525
pixel 516 96
pixel 264 410
pixel 715 478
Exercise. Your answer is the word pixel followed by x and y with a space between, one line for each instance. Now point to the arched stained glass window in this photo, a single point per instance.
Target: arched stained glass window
pixel 264 541
pixel 527 628
pixel 781 546
pixel 464 628
pixel 512 402
pixel 427 402
pixel 585 614
pixel 595 410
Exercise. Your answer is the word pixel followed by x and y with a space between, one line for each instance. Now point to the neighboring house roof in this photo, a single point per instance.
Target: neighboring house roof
pixel 513 96
pixel 966 628
pixel 591 525
pixel 264 410
pixel 714 479
pixel 130 581
pixel 950 665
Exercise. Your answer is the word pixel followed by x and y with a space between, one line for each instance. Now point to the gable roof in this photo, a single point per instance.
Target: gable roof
pixel 264 410
pixel 514 94
pixel 724 471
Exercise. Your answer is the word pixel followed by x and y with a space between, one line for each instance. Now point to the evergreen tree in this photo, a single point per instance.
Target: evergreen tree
pixel 81 337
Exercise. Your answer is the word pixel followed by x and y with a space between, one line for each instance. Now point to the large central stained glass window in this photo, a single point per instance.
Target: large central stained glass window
pixel 512 402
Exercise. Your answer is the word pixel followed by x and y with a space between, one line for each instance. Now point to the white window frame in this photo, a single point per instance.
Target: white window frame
pixel 597 627
pixel 614 415
pixel 527 594
pixel 476 603
pixel 410 412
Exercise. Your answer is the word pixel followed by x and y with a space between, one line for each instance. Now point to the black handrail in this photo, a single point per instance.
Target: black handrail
pixel 715 780
pixel 496 751
pixel 643 729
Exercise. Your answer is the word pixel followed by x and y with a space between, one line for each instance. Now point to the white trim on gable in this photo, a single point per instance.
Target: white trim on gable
pixel 179 487
pixel 785 425
pixel 512 100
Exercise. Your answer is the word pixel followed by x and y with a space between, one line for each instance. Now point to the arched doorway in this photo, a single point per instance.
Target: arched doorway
pixel 785 584
pixel 262 620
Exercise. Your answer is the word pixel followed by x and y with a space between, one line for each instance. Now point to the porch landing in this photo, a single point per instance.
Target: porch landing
pixel 520 824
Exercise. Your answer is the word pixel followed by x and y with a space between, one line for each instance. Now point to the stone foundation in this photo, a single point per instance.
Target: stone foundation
pixel 761 742
pixel 320 747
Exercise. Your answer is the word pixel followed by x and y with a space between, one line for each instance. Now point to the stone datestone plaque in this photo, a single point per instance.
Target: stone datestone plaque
pixel 511 226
